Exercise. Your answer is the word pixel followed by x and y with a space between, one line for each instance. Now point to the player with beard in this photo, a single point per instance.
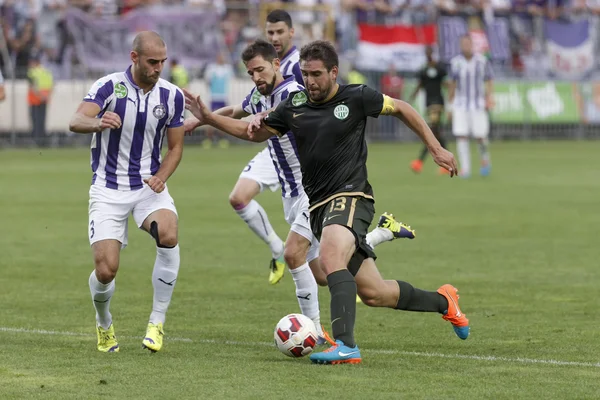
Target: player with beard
pixel 328 123
pixel 260 173
pixel 301 247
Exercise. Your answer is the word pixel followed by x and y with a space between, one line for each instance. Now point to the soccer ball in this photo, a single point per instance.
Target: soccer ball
pixel 296 335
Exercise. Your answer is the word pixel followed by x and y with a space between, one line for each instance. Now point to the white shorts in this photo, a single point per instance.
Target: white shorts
pixel 109 210
pixel 261 170
pixel 475 123
pixel 295 210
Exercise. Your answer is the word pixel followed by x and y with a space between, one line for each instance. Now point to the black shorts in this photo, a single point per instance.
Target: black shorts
pixel 355 213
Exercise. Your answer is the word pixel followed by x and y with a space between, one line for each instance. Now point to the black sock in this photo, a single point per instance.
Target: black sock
pixel 442 142
pixel 412 299
pixel 437 132
pixel 342 287
pixel 423 153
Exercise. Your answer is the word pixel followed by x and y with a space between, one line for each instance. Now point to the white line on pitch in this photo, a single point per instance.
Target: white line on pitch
pixel 518 360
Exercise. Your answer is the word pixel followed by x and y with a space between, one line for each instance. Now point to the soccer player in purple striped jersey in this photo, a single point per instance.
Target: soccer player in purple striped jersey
pixel 470 95
pixel 260 174
pixel 129 114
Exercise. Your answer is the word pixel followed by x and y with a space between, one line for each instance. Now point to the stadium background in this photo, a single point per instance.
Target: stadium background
pixel 543 52
pixel 521 245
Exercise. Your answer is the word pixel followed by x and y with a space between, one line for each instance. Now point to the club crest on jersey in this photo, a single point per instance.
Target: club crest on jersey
pixel 341 111
pixel 159 111
pixel 299 98
pixel 256 97
pixel 431 72
pixel 120 91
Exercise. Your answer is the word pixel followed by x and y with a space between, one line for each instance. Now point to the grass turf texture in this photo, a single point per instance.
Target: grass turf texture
pixel 521 246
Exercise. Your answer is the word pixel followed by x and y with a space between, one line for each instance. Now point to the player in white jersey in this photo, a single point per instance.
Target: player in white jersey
pixel 130 113
pixel 301 247
pixel 470 95
pixel 260 174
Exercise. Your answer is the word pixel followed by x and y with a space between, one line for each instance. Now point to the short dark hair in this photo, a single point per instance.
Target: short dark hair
pixel 279 16
pixel 320 50
pixel 261 48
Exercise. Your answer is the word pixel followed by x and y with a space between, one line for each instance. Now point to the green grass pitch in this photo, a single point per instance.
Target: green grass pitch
pixel 522 246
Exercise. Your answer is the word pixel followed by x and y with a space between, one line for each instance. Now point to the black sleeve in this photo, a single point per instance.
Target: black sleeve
pixel 276 120
pixel 372 102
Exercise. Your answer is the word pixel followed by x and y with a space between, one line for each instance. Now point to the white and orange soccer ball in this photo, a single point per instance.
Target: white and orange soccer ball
pixel 296 335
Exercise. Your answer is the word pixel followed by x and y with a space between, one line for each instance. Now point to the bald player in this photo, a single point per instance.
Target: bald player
pixel 129 114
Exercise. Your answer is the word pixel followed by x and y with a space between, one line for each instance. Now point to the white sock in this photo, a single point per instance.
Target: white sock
pixel 378 236
pixel 484 151
pixel 164 277
pixel 101 295
pixel 256 218
pixel 307 293
pixel 464 155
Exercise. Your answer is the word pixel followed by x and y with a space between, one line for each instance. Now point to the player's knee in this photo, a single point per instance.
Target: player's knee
pixel 238 200
pixel 293 255
pixel 164 237
pixel 106 270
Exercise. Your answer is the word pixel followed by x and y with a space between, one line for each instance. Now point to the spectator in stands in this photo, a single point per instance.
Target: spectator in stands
pixel 179 75
pixel 23 41
pixel 40 89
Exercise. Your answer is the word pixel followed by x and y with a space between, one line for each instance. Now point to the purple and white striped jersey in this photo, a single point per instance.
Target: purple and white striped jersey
pixel 122 158
pixel 283 150
pixel 290 65
pixel 470 77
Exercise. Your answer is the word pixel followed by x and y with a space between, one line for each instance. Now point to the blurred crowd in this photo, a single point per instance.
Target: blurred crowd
pixel 37 29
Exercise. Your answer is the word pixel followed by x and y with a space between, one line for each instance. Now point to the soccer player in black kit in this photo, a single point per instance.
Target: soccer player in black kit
pixel 328 123
pixel 431 79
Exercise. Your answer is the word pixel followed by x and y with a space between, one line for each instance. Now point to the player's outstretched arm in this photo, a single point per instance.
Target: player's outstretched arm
pixel 235 111
pixel 411 118
pixel 85 119
pixel 228 125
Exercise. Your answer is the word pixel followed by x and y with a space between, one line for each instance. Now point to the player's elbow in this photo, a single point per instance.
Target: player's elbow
pixel 74 124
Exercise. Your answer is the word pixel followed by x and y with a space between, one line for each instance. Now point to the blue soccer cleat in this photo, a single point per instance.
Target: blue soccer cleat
pixel 485 170
pixel 338 353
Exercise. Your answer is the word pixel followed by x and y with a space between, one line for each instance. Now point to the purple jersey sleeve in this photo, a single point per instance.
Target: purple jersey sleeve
pixel 101 92
pixel 247 103
pixel 177 118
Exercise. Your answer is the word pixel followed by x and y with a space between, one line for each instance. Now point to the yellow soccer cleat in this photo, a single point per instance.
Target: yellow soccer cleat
pixel 153 340
pixel 277 268
pixel 398 229
pixel 107 341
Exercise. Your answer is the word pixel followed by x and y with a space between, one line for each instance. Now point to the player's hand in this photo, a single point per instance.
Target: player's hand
pixel 445 159
pixel 256 123
pixel 155 183
pixel 489 103
pixel 109 120
pixel 195 105
pixel 189 124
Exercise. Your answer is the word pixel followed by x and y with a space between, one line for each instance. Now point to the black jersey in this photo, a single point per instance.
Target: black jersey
pixel 330 138
pixel 431 78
